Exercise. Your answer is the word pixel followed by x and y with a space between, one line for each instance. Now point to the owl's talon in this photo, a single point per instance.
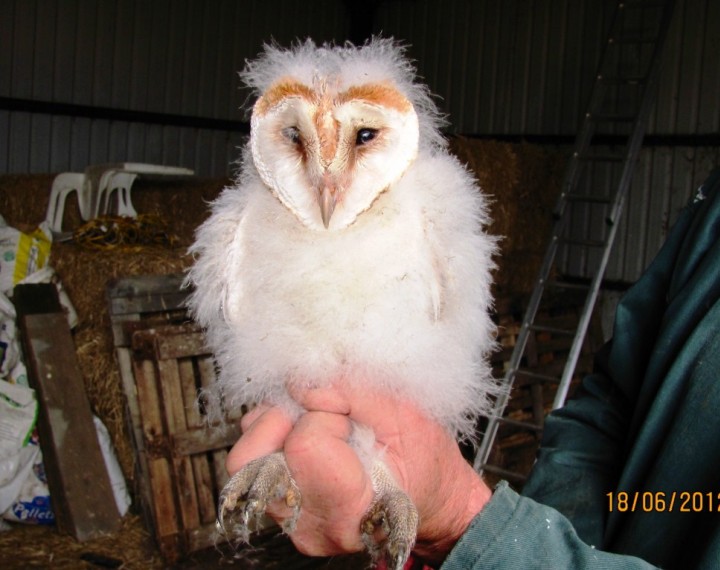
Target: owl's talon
pixel 250 490
pixel 389 528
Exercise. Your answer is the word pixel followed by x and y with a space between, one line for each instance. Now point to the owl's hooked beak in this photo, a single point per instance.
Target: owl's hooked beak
pixel 327 196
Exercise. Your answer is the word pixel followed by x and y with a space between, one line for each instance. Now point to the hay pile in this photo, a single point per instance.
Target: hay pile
pixel 85 272
pixel 522 180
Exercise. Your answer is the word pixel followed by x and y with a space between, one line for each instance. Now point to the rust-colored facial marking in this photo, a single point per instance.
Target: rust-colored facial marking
pixel 376 94
pixel 339 144
pixel 282 90
pixel 327 127
pixel 322 99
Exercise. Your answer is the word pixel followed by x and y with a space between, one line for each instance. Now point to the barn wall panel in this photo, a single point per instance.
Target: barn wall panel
pixel 512 68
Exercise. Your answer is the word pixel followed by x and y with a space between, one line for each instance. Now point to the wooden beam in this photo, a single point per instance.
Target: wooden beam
pixel 80 490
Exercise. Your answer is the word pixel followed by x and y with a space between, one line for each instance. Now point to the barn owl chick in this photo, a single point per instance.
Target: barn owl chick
pixel 351 249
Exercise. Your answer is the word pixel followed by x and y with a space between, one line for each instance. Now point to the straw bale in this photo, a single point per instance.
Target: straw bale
pixel 521 180
pixel 24 199
pixel 182 202
pixel 85 274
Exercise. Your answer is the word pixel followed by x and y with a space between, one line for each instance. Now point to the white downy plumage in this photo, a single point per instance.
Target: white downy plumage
pixel 395 290
pixel 351 249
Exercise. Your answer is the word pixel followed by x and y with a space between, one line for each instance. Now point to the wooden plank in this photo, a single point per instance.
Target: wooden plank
pixel 209 439
pixel 199 460
pixel 167 341
pixel 149 304
pixel 188 342
pixel 204 486
pixel 145 285
pixel 165 515
pixel 147 293
pixel 220 474
pixel 125 326
pixel 142 470
pixel 169 379
pixel 188 387
pixel 80 487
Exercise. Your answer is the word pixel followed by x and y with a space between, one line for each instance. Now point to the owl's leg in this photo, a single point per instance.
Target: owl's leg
pixel 259 482
pixel 390 525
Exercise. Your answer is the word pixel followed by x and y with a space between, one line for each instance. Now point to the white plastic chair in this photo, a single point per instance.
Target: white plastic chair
pixel 121 183
pixel 63 185
pixel 119 177
pixel 96 185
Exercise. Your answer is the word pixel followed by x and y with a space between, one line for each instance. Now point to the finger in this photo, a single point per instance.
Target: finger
pixel 315 429
pixel 380 409
pixel 335 486
pixel 329 399
pixel 248 419
pixel 264 436
pixel 316 447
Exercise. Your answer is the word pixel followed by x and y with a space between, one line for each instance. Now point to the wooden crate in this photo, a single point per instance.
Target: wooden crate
pixel 164 364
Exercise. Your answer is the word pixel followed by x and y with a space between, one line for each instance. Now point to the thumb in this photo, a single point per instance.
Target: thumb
pixel 329 399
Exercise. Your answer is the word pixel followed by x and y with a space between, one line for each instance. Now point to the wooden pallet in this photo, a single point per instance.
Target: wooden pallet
pixel 180 457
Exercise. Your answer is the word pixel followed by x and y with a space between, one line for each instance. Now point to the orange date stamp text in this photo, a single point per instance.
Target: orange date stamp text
pixel 662 501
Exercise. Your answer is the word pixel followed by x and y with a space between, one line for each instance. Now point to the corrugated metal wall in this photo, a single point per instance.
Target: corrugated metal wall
pixel 176 57
pixel 517 67
pixel 526 67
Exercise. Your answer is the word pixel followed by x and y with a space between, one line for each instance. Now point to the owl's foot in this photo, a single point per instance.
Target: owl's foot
pixel 259 482
pixel 390 526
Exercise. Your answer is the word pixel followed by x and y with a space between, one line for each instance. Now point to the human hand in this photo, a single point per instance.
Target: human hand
pixel 336 489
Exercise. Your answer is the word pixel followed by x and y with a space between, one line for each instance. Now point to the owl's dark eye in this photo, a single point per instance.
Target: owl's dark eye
pixel 364 136
pixel 292 134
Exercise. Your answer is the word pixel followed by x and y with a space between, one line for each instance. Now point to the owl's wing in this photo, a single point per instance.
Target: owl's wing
pixel 438 278
pixel 219 252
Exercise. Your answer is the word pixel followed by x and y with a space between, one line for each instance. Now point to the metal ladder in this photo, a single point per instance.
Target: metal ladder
pixel 621 100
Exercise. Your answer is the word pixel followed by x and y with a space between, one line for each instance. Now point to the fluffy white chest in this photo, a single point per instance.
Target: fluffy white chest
pixel 398 299
pixel 357 298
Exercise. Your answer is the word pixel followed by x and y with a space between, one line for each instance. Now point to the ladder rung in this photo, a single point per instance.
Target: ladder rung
pixel 611 118
pixel 583 242
pixel 634 80
pixel 586 198
pixel 537 376
pixel 637 40
pixel 590 157
pixel 568 285
pixel 640 4
pixel 552 330
pixel 519 424
pixel 504 473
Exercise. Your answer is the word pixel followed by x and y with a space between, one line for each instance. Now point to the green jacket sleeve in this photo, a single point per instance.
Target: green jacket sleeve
pixel 517 532
pixel 645 423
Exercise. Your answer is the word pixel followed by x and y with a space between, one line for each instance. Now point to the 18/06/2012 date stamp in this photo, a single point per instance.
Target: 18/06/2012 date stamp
pixel 661 501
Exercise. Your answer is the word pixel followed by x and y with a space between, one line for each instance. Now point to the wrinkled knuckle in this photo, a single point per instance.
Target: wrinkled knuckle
pixel 300 441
